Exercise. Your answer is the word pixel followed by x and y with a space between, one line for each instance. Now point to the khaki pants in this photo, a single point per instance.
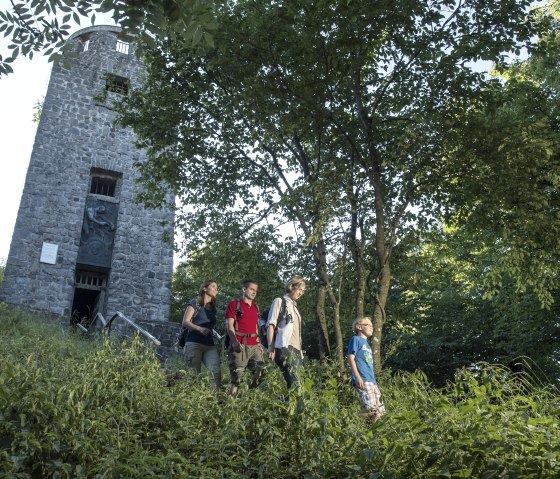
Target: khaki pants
pixel 196 354
pixel 250 358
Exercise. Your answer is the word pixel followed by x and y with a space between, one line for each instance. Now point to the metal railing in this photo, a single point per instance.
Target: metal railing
pixel 107 325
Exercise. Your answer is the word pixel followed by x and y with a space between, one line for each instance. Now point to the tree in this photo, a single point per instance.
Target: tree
pixel 441 319
pixel 330 115
pixel 510 179
pixel 228 259
pixel 484 287
pixel 37 26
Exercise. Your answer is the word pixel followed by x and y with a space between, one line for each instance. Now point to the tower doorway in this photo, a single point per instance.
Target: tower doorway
pixel 89 296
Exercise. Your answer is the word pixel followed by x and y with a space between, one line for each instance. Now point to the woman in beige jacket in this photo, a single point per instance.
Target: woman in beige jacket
pixel 284 331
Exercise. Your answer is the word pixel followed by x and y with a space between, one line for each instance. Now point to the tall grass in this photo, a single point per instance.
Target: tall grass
pixel 71 407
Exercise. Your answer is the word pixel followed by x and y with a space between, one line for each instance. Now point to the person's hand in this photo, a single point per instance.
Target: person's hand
pixel 271 354
pixel 206 331
pixel 236 346
pixel 360 383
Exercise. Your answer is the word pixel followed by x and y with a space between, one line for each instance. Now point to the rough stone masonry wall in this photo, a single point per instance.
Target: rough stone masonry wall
pixel 75 134
pixel 166 332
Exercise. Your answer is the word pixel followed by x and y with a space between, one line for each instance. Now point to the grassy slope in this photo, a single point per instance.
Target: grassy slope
pixel 71 407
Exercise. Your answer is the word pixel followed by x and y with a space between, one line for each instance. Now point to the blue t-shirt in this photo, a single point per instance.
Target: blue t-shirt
pixel 205 318
pixel 363 356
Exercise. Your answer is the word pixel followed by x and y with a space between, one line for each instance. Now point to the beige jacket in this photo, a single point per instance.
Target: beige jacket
pixel 288 333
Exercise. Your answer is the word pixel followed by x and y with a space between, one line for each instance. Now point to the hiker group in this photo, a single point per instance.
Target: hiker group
pixel 276 332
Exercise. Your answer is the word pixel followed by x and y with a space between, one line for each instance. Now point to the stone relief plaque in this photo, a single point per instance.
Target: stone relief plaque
pixel 98 232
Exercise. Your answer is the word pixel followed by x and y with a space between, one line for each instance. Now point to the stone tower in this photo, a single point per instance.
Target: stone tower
pixel 81 244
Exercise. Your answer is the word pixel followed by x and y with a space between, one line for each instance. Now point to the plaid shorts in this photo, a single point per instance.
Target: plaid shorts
pixel 370 398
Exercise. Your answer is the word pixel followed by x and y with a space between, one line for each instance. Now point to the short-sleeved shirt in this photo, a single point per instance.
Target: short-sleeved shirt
pixel 246 322
pixel 205 318
pixel 363 356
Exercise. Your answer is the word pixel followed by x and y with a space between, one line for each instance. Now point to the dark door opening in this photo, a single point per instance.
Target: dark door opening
pixel 89 296
pixel 84 305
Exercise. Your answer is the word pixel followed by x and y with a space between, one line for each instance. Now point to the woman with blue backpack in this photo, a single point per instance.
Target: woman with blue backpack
pixel 199 321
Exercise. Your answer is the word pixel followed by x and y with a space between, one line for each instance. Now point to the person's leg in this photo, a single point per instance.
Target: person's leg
pixel 294 362
pixel 237 364
pixel 255 364
pixel 370 398
pixel 289 360
pixel 193 356
pixel 211 359
pixel 280 360
pixel 378 400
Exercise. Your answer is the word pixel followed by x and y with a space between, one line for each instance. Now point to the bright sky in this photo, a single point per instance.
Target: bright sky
pixel 18 94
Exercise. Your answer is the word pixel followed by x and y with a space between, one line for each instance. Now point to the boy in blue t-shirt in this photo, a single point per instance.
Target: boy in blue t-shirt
pixel 361 364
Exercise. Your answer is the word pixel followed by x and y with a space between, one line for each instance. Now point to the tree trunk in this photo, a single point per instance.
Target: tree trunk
pixel 357 249
pixel 360 290
pixel 320 257
pixel 384 277
pixel 320 317
pixel 337 331
pixel 373 167
pixel 357 245
pixel 383 284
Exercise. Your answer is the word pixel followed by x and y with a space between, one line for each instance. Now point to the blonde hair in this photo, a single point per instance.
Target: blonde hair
pixel 359 321
pixel 295 283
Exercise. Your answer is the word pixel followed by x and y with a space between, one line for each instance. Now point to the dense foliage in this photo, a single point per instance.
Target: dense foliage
pixel 347 121
pixel 441 318
pixel 74 408
pixel 484 286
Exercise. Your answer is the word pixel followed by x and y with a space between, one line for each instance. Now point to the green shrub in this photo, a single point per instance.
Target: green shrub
pixel 72 407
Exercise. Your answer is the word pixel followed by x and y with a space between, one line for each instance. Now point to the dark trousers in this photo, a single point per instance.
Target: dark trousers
pixel 288 360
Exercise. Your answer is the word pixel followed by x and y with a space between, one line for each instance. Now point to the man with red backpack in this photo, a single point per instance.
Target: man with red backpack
pixel 244 352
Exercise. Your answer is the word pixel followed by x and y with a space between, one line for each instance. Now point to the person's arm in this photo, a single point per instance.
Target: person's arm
pixel 272 323
pixel 271 340
pixel 354 368
pixel 230 328
pixel 187 322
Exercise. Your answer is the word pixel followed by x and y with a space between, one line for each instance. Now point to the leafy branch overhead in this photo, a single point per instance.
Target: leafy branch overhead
pixel 336 116
pixel 42 26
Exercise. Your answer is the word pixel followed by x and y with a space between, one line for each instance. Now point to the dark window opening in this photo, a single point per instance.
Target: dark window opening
pixel 105 182
pixel 117 84
pixel 103 186
pixel 85 41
